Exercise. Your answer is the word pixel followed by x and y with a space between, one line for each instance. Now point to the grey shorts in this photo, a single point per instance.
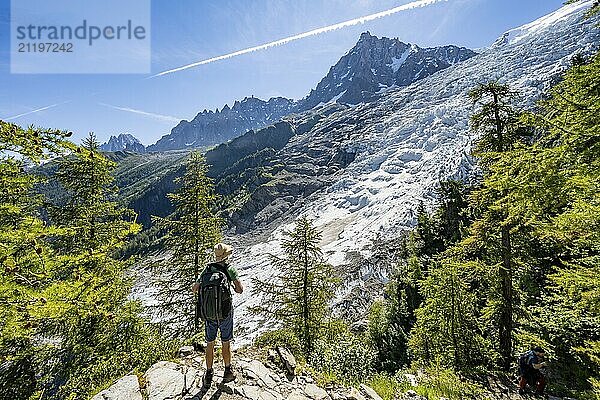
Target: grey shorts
pixel 225 326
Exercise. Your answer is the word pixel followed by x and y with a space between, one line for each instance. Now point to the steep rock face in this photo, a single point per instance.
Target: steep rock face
pixel 213 127
pixel 123 142
pixel 375 64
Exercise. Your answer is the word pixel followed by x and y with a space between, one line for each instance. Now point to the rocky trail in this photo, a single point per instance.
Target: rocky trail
pixel 277 377
pixel 274 379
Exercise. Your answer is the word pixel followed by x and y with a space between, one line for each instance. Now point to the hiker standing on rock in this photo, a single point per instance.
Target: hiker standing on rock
pixel 530 364
pixel 216 308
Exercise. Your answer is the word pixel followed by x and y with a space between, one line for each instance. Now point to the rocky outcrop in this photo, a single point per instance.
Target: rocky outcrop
pixel 256 380
pixel 169 380
pixel 126 388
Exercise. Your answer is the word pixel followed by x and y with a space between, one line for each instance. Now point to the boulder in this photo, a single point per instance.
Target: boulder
pixel 369 392
pixel 315 392
pixel 288 359
pixel 355 395
pixel 297 395
pixel 126 388
pixel 257 393
pixel 257 370
pixel 250 392
pixel 186 351
pixel 168 380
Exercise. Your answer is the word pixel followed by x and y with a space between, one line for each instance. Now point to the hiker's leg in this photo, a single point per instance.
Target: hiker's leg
pixel 211 335
pixel 226 328
pixel 210 354
pixel 227 353
pixel 540 384
pixel 522 382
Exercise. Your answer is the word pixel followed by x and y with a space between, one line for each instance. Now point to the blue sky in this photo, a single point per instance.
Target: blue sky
pixel 186 31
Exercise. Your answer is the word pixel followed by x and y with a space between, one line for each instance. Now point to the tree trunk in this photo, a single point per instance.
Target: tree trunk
pixel 305 310
pixel 506 315
pixel 196 258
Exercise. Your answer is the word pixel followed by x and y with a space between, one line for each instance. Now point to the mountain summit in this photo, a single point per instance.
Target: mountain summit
pixel 125 141
pixel 375 64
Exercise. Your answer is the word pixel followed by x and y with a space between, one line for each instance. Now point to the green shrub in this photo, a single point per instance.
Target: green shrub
pixel 385 385
pixel 342 354
pixel 436 382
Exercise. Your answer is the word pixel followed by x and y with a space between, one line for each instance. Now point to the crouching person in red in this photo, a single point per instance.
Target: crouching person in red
pixel 530 364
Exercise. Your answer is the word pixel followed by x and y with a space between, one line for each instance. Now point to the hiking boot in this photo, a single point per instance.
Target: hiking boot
pixel 228 375
pixel 207 379
pixel 521 391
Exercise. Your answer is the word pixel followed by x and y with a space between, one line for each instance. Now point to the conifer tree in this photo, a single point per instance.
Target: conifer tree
pixel 96 221
pixel 26 261
pixel 557 193
pixel 192 230
pixel 497 123
pixel 448 328
pixel 391 320
pixel 298 297
pixel 452 213
pixel 100 331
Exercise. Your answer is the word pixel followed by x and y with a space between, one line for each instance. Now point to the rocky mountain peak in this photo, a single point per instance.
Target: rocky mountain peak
pixel 372 66
pixel 123 142
pixel 375 64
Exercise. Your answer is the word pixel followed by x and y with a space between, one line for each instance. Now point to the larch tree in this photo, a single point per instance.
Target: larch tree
pixel 191 231
pixel 298 296
pixel 100 332
pixel 26 259
pixel 497 124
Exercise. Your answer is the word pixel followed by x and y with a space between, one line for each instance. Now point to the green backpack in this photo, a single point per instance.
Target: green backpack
pixel 215 293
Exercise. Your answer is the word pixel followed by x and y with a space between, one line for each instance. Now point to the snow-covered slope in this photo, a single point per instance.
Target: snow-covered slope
pixel 533 28
pixel 406 142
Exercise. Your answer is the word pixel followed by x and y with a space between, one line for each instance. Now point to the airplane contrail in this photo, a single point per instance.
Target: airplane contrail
pixel 34 111
pixel 159 117
pixel 318 31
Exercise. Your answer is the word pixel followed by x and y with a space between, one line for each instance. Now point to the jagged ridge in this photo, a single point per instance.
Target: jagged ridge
pixel 123 142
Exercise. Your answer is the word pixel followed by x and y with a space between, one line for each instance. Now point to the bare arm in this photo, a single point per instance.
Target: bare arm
pixel 195 287
pixel 237 286
pixel 540 365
